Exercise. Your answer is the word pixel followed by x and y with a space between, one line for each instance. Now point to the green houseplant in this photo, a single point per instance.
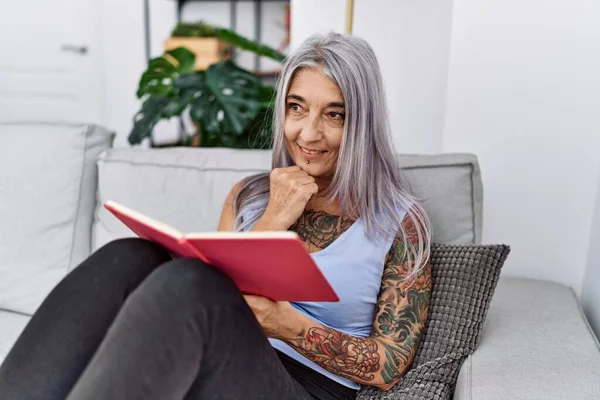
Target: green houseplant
pixel 194 29
pixel 228 105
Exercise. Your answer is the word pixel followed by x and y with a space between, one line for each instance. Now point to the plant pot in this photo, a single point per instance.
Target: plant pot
pixel 207 50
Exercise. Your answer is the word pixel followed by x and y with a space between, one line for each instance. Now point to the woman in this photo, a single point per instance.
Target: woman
pixel 131 323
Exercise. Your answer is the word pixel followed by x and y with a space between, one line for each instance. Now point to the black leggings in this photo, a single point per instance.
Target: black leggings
pixel 119 327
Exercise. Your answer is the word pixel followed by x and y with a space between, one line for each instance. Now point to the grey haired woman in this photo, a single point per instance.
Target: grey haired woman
pixel 132 323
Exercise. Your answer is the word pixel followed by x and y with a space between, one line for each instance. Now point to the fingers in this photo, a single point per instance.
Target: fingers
pixel 296 179
pixel 305 180
pixel 308 191
pixel 287 170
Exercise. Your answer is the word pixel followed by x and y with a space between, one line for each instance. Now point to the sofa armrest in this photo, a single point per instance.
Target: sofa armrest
pixel 535 344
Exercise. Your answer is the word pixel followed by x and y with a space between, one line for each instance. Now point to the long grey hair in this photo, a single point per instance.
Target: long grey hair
pixel 367 181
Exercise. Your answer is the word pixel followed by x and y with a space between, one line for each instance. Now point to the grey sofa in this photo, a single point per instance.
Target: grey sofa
pixel 536 343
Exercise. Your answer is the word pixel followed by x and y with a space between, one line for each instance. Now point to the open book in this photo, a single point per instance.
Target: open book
pixel 271 264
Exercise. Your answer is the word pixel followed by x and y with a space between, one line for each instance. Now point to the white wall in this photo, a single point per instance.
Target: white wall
pixel 124 60
pixel 515 82
pixel 411 40
pixel 591 283
pixel 523 94
pixel 316 16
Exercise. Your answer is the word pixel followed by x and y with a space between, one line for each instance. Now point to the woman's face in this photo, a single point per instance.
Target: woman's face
pixel 314 122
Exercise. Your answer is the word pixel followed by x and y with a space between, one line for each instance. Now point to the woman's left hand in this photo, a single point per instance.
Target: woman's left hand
pixel 271 315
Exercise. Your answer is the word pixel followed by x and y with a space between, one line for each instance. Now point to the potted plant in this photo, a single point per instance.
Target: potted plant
pixel 228 105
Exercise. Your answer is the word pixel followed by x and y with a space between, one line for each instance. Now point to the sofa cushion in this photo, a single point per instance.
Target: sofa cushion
pixel 47 195
pixel 452 192
pixel 183 187
pixel 11 326
pixel 464 278
pixel 536 344
pixel 186 188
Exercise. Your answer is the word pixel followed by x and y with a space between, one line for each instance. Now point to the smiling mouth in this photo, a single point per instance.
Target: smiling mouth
pixel 311 152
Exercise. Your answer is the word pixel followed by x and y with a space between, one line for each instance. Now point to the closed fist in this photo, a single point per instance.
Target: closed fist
pixel 291 189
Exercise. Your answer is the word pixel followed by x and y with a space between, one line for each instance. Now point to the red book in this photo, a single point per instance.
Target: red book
pixel 272 264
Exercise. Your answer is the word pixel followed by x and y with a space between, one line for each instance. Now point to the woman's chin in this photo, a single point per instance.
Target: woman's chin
pixel 314 170
pixel 306 167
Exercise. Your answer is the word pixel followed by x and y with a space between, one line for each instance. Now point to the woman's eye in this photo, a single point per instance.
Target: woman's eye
pixel 336 115
pixel 294 106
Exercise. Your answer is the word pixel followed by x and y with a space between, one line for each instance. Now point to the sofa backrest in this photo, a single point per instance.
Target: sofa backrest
pixel 186 188
pixel 47 195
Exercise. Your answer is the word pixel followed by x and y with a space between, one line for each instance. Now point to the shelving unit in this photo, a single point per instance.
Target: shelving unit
pixel 258 13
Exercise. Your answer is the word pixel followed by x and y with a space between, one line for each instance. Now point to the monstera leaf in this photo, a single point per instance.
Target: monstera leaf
pixel 162 72
pixel 147 117
pixel 232 38
pixel 162 99
pixel 227 99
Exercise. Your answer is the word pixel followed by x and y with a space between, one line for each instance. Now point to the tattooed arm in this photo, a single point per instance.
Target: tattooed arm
pixel 382 358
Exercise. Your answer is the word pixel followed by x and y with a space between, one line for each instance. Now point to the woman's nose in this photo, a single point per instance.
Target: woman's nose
pixel 311 132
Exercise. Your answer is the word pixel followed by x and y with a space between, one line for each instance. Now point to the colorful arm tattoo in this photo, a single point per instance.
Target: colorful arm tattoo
pixel 400 315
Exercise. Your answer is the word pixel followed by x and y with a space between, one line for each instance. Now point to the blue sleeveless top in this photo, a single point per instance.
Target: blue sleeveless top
pixel 353 265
